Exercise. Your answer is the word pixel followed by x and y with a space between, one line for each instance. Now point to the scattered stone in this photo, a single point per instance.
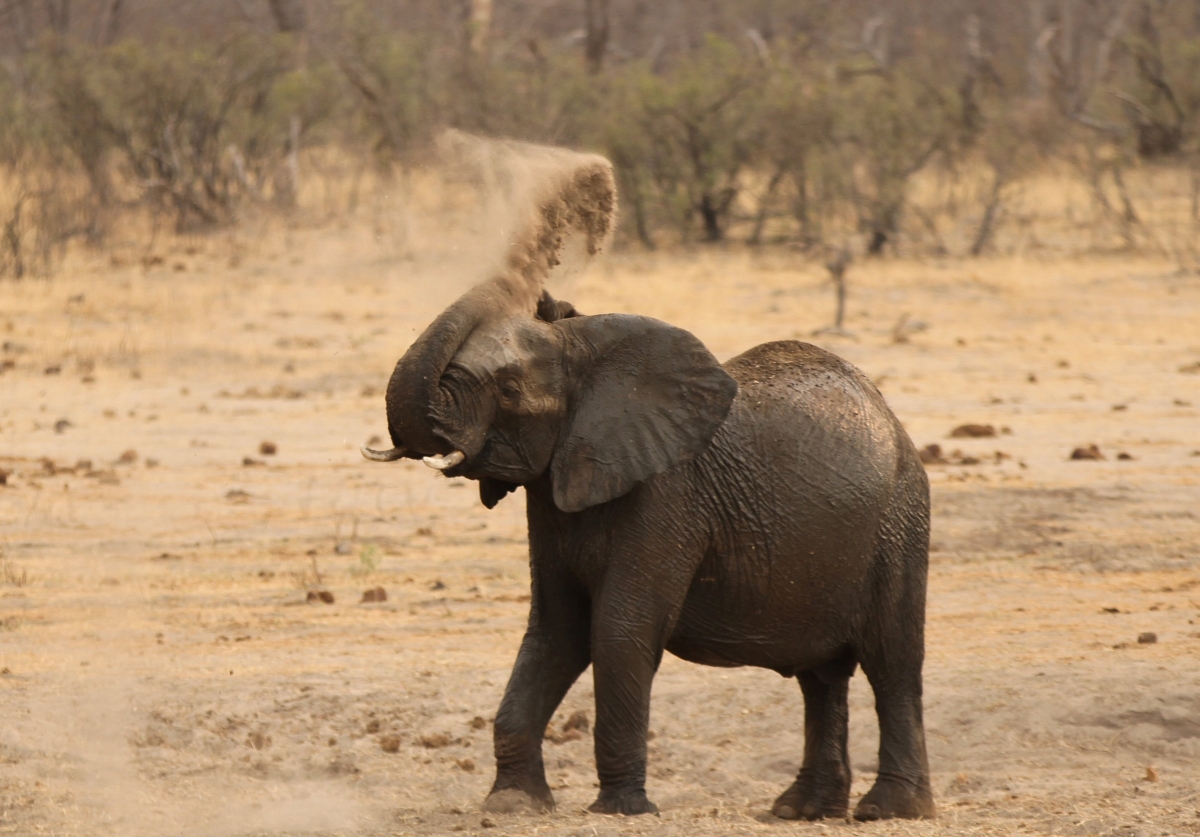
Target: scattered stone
pixel 1147 638
pixel 1120 408
pixel 1124 456
pixel 486 823
pixel 4 477
pixel 258 741
pixel 167 556
pixel 320 596
pixel 53 370
pixel 250 462
pixel 1151 774
pixel 1110 610
pixel 267 449
pixel 373 726
pixel 437 585
pixel 1032 378
pixel 466 765
pixel 151 462
pixel 478 723
pixel 237 495
pixel 1191 368
pixel 424 532
pixel 973 431
pixel 49 467
pixel 7 364
pixel 129 457
pixel 375 594
pixel 577 721
pixel 435 741
pixel 62 425
pixel 6 672
pixel 390 743
pixel 1089 452
pixel 932 455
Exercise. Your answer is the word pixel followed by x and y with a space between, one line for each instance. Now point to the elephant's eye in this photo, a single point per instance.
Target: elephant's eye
pixel 510 388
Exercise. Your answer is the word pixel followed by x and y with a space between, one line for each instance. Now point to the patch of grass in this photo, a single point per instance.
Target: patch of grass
pixel 13 576
pixel 368 561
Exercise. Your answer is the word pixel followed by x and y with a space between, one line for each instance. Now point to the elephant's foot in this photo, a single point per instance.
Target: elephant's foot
pixel 517 801
pixel 627 802
pixel 814 798
pixel 893 798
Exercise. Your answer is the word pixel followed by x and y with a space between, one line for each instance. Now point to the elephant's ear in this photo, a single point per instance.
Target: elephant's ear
pixel 647 396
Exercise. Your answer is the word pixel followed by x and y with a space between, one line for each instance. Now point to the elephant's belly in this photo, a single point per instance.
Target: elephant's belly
pixel 765 628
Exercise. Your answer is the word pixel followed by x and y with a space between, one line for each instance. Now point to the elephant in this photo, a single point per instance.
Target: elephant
pixel 769 511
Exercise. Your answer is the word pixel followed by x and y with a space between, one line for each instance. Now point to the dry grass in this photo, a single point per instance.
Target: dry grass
pixel 169 678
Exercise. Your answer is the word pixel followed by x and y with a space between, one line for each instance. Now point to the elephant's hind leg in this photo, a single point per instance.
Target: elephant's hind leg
pixel 892 657
pixel 822 790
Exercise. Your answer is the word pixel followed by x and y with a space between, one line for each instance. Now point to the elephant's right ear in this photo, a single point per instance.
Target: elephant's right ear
pixel 647 396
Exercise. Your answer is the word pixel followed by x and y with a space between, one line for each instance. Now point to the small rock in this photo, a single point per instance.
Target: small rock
pixel 128 457
pixel 486 823
pixel 373 726
pixel 375 594
pixel 1151 774
pixel 343 548
pixel 250 462
pixel 52 370
pixel 258 741
pixel 237 495
pixel 374 441
pixel 61 425
pixel 577 721
pixel 932 455
pixel 466 765
pixel 478 723
pixel 4 477
pixel 390 743
pixel 320 596
pixel 1088 452
pixel 1147 638
pixel 438 585
pixel 151 462
pixel 267 448
pixel 435 741
pixel 1125 457
pixel 973 431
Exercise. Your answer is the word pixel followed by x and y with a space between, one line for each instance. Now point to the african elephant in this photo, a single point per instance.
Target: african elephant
pixel 770 511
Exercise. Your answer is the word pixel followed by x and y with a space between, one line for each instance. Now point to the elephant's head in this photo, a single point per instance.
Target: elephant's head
pixel 508 383
pixel 499 394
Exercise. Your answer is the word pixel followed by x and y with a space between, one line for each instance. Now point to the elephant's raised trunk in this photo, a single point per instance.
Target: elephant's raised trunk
pixel 572 193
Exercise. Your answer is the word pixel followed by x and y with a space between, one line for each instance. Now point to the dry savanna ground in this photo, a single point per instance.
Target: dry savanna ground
pixel 163 672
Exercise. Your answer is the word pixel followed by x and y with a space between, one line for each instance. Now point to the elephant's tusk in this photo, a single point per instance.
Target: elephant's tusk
pixel 441 463
pixel 383 455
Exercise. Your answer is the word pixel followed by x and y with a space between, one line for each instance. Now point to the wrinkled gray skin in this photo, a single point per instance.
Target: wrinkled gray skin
pixel 768 512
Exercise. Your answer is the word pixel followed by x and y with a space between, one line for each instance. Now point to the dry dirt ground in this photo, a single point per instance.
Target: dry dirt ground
pixel 163 673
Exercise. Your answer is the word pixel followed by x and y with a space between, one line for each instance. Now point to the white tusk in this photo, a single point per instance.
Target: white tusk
pixel 441 463
pixel 382 455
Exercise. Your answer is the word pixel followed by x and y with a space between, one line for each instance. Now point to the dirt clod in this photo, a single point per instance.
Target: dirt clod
pixel 62 425
pixel 478 722
pixel 577 721
pixel 375 594
pixel 1087 452
pixel 267 449
pixel 486 823
pixel 466 765
pixel 1125 457
pixel 1147 638
pixel 128 457
pixel 1151 774
pixel 932 455
pixel 251 462
pixel 973 431
pixel 435 741
pixel 320 596
pixel 373 726
pixel 390 743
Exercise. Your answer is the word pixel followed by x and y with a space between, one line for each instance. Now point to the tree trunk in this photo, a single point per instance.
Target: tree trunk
pixel 58 15
pixel 288 15
pixel 596 41
pixel 710 214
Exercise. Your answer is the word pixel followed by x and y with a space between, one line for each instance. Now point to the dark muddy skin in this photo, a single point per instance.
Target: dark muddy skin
pixel 784 524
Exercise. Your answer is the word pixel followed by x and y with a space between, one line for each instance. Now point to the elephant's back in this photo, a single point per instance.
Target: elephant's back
pixel 794 397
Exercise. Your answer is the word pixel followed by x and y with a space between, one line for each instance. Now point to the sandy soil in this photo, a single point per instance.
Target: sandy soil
pixel 162 672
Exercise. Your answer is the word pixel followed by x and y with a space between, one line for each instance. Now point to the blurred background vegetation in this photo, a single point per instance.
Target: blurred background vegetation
pixel 918 127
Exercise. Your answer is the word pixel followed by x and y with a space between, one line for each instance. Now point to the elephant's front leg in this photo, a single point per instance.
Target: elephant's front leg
pixel 553 655
pixel 627 645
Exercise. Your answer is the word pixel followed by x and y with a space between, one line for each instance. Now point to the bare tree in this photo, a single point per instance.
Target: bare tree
pixel 596 36
pixel 58 15
pixel 288 15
